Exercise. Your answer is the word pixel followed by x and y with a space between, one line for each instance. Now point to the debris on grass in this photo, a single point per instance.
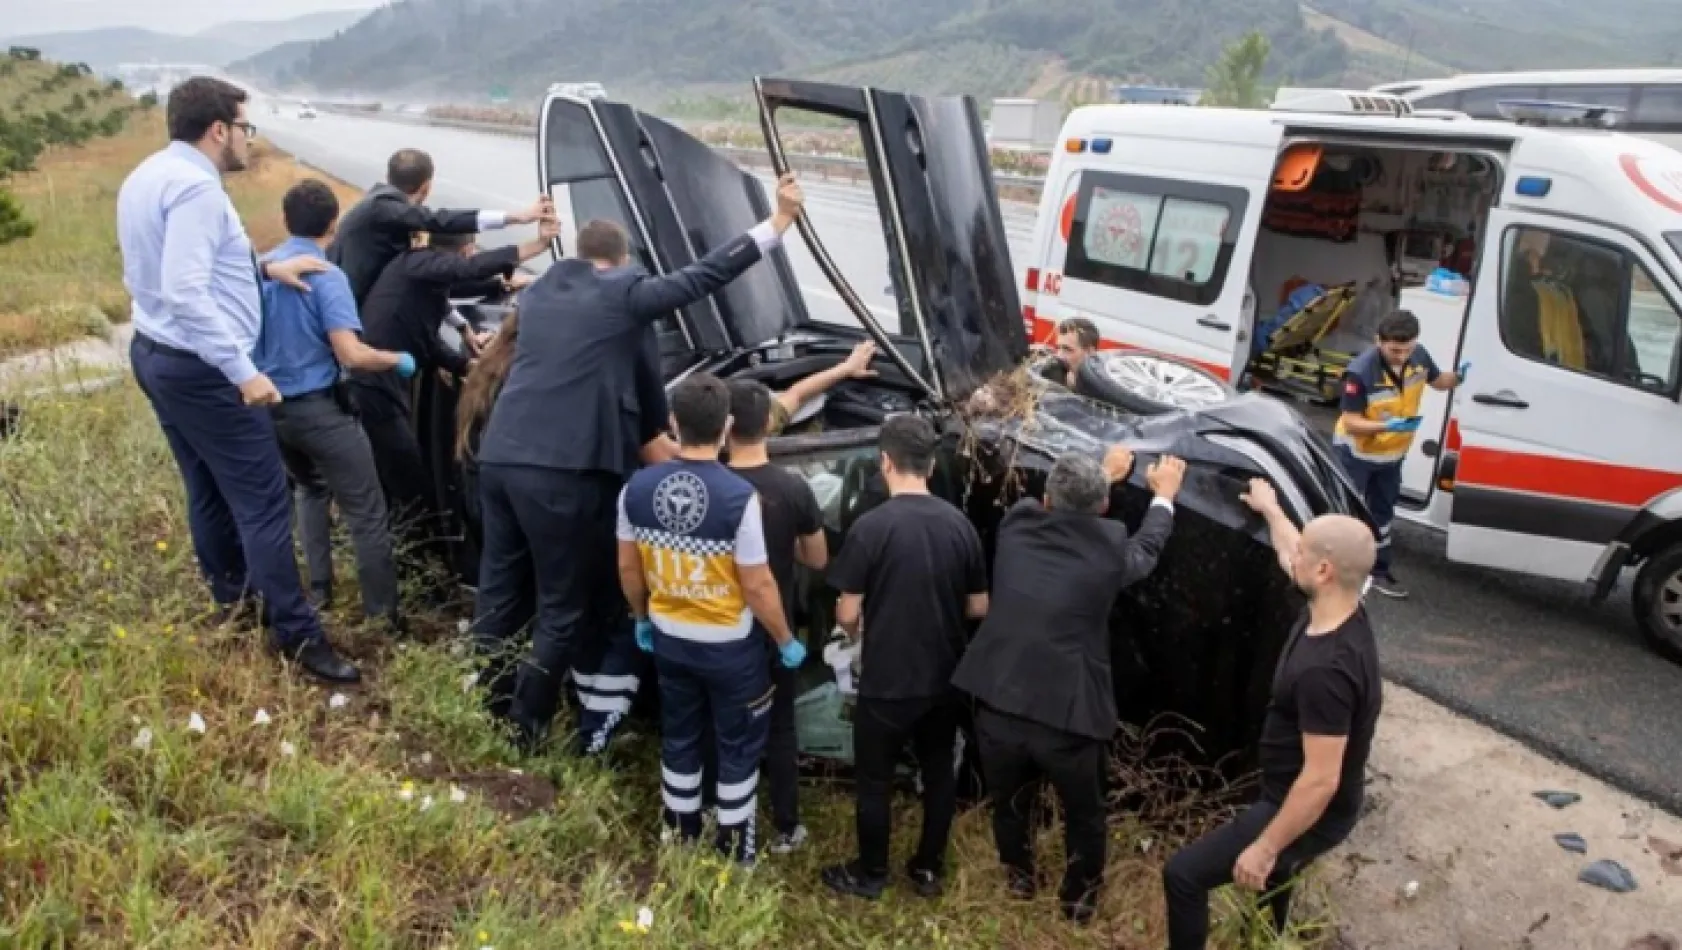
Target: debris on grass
pixel 1559 799
pixel 142 740
pixel 339 701
pixel 261 719
pixel 196 724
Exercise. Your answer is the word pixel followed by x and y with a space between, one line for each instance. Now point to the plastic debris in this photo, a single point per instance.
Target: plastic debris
pixel 261 719
pixel 457 795
pixel 645 918
pixel 1559 799
pixel 1572 842
pixel 195 723
pixel 142 739
pixel 1609 875
pixel 1410 890
pixel 339 701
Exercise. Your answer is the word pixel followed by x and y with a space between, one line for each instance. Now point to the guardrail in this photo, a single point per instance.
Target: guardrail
pixel 827 167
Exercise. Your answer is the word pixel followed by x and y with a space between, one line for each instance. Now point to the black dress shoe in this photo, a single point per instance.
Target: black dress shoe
pixel 320 660
pixel 852 880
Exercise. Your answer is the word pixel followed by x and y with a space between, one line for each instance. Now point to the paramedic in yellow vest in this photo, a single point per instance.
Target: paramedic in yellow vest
pixel 1382 390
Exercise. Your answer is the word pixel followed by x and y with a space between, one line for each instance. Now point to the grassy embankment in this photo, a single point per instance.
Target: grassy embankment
pixel 393 820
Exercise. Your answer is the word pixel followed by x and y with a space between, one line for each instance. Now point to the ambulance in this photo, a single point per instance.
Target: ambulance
pixel 1219 250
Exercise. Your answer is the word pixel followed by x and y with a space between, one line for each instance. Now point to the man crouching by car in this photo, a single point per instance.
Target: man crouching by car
pixel 1040 666
pixel 1315 737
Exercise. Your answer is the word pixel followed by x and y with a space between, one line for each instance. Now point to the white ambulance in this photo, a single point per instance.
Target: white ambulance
pixel 1217 248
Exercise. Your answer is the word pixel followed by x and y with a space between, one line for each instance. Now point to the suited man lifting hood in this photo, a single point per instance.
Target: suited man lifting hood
pixel 567 430
pixel 1040 665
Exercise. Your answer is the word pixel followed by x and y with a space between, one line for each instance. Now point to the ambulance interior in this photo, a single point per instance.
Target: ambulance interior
pixel 1349 235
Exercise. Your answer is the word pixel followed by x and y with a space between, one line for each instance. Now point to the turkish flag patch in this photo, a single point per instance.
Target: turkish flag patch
pixel 1351 388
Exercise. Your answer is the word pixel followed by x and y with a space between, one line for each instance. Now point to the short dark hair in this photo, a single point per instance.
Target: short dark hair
pixel 909 441
pixel 450 242
pixel 603 240
pixel 198 104
pixel 1085 331
pixel 310 208
pixel 1399 327
pixel 701 406
pixel 409 170
pixel 750 410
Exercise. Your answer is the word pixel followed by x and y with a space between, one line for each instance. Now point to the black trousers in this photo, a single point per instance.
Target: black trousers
pixel 881 729
pixel 1015 755
pixel 782 752
pixel 405 477
pixel 548 538
pixel 1206 864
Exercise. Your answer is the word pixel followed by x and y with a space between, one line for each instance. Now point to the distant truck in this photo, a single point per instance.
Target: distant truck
pixel 578 90
pixel 1025 123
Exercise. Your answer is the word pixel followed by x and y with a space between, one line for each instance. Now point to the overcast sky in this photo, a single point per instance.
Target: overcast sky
pixel 26 17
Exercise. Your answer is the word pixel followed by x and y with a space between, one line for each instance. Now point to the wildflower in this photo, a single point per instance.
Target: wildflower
pixel 407 792
pixel 484 937
pixel 163 546
pixel 119 633
pixel 457 795
pixel 261 719
pixel 142 740
pixel 192 641
pixel 195 723
pixel 169 628
pixel 105 565
pixel 426 803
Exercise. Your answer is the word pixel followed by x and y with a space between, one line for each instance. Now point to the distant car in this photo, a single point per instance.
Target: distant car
pixel 1199 639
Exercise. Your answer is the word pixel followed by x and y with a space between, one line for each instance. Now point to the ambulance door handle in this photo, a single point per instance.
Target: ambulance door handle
pixel 1505 399
pixel 1214 323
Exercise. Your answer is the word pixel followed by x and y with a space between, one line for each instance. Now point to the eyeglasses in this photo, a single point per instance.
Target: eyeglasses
pixel 249 129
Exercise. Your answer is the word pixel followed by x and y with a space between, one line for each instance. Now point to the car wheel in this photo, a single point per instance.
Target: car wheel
pixel 1147 384
pixel 1658 602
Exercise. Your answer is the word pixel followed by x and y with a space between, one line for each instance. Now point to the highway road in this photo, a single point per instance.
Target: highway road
pixel 1530 657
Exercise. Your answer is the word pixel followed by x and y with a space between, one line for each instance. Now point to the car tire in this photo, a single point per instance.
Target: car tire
pixel 1658 602
pixel 1147 384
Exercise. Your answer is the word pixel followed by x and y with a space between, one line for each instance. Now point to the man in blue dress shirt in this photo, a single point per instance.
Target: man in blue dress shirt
pixel 197 311
pixel 308 338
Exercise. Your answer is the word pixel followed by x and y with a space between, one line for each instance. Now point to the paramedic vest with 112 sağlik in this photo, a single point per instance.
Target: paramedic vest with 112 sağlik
pixel 1389 396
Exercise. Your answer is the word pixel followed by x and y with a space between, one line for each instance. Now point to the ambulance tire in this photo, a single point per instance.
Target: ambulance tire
pixel 1097 379
pixel 1658 602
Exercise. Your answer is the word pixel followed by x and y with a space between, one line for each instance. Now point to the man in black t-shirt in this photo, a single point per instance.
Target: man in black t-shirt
pixel 912 577
pixel 1316 736
pixel 793 532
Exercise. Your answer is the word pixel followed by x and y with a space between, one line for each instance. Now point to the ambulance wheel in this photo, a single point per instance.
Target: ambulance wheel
pixel 1146 384
pixel 1658 602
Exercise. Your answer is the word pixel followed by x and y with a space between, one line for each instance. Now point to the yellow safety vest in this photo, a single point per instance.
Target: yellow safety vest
pixel 1385 400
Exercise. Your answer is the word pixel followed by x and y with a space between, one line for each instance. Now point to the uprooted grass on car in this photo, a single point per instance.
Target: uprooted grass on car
pixel 391 815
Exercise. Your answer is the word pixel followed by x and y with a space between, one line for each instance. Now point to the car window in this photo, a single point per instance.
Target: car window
pixel 1167 238
pixel 1658 109
pixel 1482 103
pixel 1588 307
pixel 1442 100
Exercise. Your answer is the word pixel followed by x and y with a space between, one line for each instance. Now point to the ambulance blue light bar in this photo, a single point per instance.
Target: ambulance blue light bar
pixel 1532 186
pixel 1101 146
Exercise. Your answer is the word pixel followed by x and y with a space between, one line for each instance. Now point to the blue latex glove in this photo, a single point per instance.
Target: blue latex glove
pixel 794 653
pixel 1410 424
pixel 1465 368
pixel 405 365
pixel 645 635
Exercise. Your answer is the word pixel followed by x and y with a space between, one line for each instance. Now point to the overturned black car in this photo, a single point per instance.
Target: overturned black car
pixel 1199 639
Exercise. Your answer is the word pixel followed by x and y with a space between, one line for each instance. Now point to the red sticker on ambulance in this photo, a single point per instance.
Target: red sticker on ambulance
pixel 1662 183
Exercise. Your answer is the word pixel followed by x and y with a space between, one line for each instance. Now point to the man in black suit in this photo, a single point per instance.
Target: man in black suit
pixel 567 430
pixel 1040 666
pixel 380 227
pixel 405 309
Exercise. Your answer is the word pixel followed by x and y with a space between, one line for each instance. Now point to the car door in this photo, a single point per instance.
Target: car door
pixel 594 162
pixel 949 258
pixel 1155 237
pixel 1573 341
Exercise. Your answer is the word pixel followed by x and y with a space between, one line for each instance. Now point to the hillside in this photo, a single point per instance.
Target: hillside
pixel 461 50
pixel 216 45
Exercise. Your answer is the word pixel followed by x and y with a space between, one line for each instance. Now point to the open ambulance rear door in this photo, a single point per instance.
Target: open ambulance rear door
pixel 1149 227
